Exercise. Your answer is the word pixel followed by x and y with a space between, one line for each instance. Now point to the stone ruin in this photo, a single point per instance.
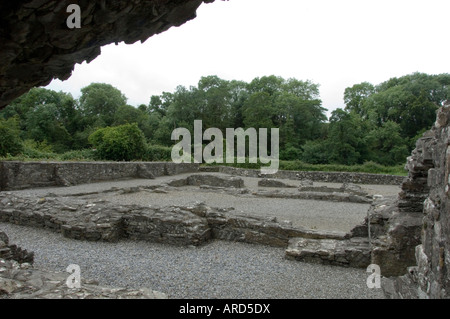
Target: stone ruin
pixel 81 216
pixel 419 225
pixel 19 280
pixel 408 237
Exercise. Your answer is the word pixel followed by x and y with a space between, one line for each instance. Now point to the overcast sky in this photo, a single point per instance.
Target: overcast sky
pixel 333 43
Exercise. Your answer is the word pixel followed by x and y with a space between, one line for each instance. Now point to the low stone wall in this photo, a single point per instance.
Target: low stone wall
pixel 23 175
pixel 353 252
pixel 329 177
pixel 104 221
pixel 13 252
pixel 16 175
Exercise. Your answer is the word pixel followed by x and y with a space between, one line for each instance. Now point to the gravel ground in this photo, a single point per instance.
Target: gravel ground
pixel 217 270
pixel 320 215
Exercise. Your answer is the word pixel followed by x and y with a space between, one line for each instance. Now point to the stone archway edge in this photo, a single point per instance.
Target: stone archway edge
pixel 37 45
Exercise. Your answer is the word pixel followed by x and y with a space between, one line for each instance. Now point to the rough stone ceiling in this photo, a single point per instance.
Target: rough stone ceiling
pixel 36 44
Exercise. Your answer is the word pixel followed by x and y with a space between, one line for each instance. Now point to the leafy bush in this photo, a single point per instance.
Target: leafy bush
pixel 78 155
pixel 290 153
pixel 119 143
pixel 43 146
pixel 155 153
pixel 10 142
pixel 37 150
pixel 316 152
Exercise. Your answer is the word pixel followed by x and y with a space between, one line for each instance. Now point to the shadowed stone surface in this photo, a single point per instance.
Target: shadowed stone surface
pixel 37 46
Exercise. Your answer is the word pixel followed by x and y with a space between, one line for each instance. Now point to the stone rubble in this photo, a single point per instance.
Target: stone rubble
pixel 20 280
pixel 354 252
pixel 13 252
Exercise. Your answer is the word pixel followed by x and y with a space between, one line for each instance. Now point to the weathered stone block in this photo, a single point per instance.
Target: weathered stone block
pixel 268 182
pixel 346 253
pixel 212 180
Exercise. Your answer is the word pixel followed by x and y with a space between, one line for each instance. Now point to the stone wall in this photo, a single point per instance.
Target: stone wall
pixel 329 177
pixel 77 218
pixel 22 175
pixel 429 179
pixel 37 46
pixel 13 252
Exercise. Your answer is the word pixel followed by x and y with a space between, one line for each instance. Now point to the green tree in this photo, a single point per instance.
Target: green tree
pixel 305 90
pixel 126 114
pixel 119 143
pixel 267 84
pixel 410 101
pixel 160 103
pixel 99 102
pixel 258 111
pixel 43 124
pixel 386 145
pixel 346 132
pixel 10 142
pixel 63 105
pixel 238 95
pixel 216 108
pixel 317 152
pixel 355 96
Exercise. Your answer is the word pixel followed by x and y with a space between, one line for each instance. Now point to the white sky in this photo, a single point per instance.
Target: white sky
pixel 335 43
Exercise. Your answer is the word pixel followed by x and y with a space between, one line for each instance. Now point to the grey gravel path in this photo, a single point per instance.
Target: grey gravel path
pixel 217 270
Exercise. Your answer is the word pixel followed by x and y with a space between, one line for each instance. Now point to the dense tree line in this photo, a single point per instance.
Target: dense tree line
pixel 380 123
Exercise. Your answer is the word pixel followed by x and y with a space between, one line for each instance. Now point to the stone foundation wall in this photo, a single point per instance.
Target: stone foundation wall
pixel 13 252
pixel 329 177
pixel 22 175
pixel 104 221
